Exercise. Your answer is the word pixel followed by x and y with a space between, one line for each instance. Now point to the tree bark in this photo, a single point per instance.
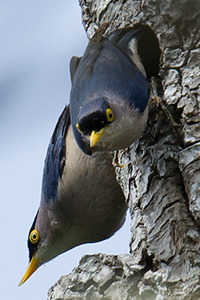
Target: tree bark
pixel 160 174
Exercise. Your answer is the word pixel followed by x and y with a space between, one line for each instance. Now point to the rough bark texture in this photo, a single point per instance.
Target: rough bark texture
pixel 160 176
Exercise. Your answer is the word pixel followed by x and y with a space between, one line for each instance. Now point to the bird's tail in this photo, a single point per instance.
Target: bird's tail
pixel 98 34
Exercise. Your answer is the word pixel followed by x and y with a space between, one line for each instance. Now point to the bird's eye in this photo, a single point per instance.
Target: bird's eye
pixel 34 236
pixel 78 127
pixel 109 115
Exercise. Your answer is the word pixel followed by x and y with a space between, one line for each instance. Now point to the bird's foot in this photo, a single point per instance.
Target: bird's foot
pixel 159 104
pixel 116 162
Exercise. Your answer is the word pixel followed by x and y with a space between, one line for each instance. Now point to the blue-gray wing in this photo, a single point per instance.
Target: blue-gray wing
pixel 147 46
pixel 74 62
pixel 55 158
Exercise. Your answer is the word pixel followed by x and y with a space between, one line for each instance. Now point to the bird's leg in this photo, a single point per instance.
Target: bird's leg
pixel 116 159
pixel 159 103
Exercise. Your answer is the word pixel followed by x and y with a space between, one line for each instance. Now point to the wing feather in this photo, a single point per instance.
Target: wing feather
pixel 55 158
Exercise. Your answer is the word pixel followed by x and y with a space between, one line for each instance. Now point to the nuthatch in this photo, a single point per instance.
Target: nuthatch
pixel 81 200
pixel 110 92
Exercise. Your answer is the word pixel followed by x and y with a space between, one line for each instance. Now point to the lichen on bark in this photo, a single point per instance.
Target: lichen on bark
pixel 160 173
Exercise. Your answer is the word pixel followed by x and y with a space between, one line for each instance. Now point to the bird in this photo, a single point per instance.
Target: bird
pixel 110 91
pixel 81 200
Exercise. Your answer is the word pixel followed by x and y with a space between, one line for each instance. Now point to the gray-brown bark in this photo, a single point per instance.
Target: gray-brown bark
pixel 160 176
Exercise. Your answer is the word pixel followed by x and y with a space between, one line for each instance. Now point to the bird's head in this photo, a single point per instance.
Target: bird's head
pixel 46 240
pixel 39 238
pixel 94 118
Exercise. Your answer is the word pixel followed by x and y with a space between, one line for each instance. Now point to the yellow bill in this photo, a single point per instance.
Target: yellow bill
pixel 95 136
pixel 31 269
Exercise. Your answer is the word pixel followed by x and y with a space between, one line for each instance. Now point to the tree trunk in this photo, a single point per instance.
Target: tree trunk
pixel 160 174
